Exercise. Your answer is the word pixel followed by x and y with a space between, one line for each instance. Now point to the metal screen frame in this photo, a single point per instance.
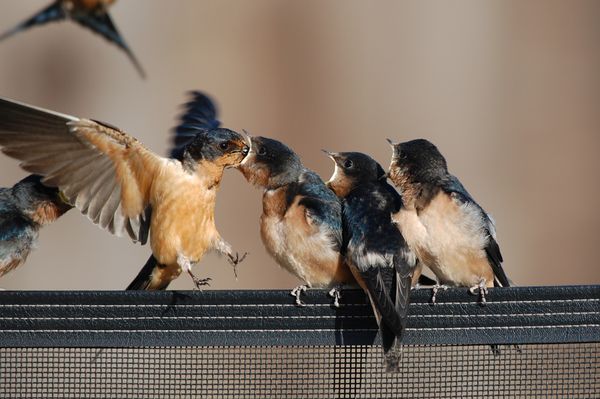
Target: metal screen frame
pixel 258 344
pixel 516 315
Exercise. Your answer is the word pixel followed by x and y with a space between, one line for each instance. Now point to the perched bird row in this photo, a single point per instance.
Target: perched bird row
pixel 356 229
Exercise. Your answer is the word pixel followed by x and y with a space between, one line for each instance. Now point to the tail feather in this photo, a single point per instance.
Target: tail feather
pixel 54 12
pixel 146 278
pixel 102 24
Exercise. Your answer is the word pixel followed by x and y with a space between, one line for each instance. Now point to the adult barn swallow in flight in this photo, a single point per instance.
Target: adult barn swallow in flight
pixel 24 209
pixel 92 14
pixel 199 115
pixel 301 223
pixel 375 250
pixel 450 233
pixel 125 188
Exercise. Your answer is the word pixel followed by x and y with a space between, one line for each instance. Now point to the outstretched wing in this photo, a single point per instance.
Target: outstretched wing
pixel 200 114
pixel 54 12
pixel 100 22
pixel 458 192
pixel 102 171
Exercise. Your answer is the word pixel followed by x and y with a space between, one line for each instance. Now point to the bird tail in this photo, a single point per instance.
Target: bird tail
pixel 148 279
pixel 390 307
pixel 392 349
pixel 102 24
pixel 54 12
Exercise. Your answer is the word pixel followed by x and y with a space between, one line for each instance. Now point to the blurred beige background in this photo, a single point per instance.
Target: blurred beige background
pixel 508 90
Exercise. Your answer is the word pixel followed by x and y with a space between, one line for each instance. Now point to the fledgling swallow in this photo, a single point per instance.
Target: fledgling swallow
pixel 24 209
pixel 375 250
pixel 91 14
pixel 125 188
pixel 199 114
pixel 450 233
pixel 301 222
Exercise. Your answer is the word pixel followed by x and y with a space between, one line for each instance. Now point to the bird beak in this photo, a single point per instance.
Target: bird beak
pixel 392 143
pixel 332 155
pixel 248 137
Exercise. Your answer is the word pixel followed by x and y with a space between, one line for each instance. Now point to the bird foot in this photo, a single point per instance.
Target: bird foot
pixel 200 282
pixel 235 261
pixel 483 291
pixel 297 292
pixel 435 290
pixel 336 295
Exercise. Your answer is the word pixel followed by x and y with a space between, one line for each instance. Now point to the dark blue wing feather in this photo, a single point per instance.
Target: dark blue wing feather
pixel 322 205
pixel 54 12
pixel 200 114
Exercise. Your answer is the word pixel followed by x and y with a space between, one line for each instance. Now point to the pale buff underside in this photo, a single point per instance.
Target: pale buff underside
pixel 183 215
pixel 448 238
pixel 299 246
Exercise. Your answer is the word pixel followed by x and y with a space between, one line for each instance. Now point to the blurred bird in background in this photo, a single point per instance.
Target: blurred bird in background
pixel 92 14
pixel 24 209
pixel 125 188
pixel 301 222
pixel 375 250
pixel 450 233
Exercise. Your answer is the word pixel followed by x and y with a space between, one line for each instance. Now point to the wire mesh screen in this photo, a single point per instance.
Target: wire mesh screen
pixel 527 371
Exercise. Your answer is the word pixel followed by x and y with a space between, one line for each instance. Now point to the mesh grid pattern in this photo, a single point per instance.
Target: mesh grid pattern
pixel 528 371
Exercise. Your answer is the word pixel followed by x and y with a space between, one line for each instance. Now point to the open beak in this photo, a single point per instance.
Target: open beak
pixel 332 155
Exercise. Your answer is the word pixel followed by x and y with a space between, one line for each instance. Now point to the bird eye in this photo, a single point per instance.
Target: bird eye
pixel 262 151
pixel 224 145
pixel 348 164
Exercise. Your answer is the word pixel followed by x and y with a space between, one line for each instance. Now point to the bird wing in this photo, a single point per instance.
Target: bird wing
pixel 458 192
pixel 12 226
pixel 54 12
pixel 101 23
pixel 200 114
pixel 323 209
pixel 101 170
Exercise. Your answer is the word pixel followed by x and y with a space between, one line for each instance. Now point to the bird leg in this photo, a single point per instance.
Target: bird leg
pixel 297 292
pixel 224 248
pixel 186 265
pixel 435 290
pixel 336 294
pixel 482 288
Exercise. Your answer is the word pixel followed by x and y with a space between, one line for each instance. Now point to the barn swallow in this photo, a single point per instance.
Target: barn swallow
pixel 91 14
pixel 301 222
pixel 450 233
pixel 375 250
pixel 199 114
pixel 125 188
pixel 24 209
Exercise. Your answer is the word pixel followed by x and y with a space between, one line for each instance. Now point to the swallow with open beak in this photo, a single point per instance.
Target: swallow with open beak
pixel 374 248
pixel 450 232
pixel 301 222
pixel 124 187
pixel 24 209
pixel 91 14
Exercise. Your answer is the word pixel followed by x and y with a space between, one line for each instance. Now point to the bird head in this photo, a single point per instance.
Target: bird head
pixel 270 164
pixel 416 161
pixel 352 169
pixel 221 147
pixel 41 203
